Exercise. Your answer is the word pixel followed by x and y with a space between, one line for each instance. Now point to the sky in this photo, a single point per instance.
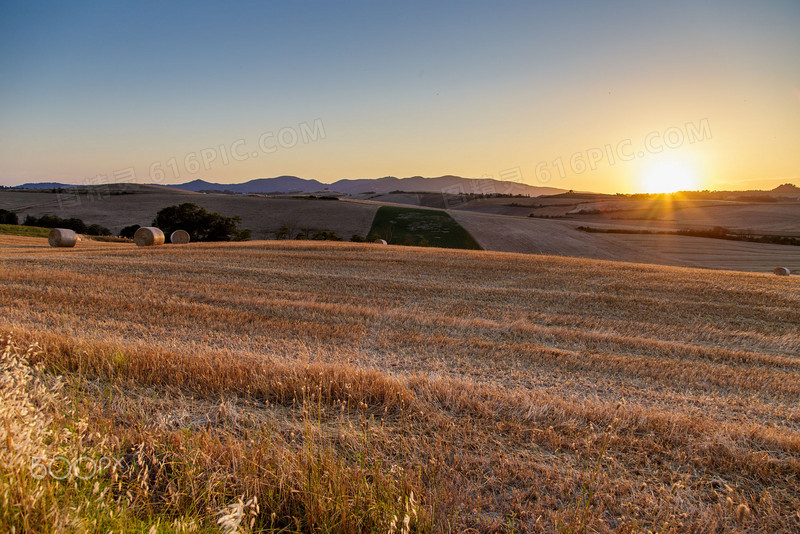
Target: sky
pixel 597 96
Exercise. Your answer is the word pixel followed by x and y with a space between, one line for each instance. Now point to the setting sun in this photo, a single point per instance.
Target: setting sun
pixel 668 177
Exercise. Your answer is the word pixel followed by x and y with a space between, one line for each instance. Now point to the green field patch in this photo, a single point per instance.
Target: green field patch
pixel 420 227
pixel 26 231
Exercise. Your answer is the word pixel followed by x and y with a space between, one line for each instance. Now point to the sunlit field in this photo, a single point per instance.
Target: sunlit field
pixel 347 387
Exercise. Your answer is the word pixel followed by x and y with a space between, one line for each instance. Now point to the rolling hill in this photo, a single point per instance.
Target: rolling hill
pixel 497 224
pixel 139 206
pixel 293 184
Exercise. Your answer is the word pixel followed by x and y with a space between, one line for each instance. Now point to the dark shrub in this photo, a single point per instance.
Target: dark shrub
pixel 73 223
pixel 202 225
pixel 128 231
pixel 8 217
pixel 283 232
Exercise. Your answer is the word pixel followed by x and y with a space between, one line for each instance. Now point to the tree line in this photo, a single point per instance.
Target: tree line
pixel 53 221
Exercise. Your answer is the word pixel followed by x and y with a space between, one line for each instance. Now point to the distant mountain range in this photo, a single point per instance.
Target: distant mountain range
pixel 293 184
pixel 388 184
pixel 44 185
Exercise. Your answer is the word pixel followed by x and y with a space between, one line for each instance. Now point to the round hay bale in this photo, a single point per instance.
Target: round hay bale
pixel 62 237
pixel 179 237
pixel 148 236
pixel 782 271
pixel 381 242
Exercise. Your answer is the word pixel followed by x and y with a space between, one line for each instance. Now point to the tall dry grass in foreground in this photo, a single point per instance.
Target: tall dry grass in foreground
pixel 335 387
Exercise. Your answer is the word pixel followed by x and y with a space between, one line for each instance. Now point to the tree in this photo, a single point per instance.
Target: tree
pixel 243 235
pixel 202 225
pixel 8 217
pixel 73 223
pixel 324 235
pixel 96 229
pixel 283 232
pixel 129 231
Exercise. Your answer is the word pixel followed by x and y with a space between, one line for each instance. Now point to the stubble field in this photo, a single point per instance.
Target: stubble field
pixel 355 387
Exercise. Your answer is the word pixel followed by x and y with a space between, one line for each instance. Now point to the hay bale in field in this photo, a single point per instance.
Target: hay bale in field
pixel 179 237
pixel 381 242
pixel 148 236
pixel 62 237
pixel 782 271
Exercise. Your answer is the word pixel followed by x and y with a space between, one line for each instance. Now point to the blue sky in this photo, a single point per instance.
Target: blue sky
pixel 400 88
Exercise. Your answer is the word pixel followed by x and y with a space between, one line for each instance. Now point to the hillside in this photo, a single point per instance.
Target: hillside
pixel 262 215
pixel 495 223
pixel 387 184
pixel 531 235
pixel 345 386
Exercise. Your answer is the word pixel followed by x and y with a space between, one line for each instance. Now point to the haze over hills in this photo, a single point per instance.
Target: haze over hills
pixel 293 184
pixel 43 185
pixel 418 184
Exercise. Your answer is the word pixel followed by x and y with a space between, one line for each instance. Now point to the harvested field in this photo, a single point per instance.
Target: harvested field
pixel 716 253
pixel 538 236
pixel 260 214
pixel 541 236
pixel 492 231
pixel 344 385
pixel 782 218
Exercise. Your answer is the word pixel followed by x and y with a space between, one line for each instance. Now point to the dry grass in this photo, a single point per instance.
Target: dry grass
pixel 539 236
pixel 317 386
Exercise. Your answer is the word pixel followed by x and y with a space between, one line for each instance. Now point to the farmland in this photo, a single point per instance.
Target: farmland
pixel 350 387
pixel 29 231
pixel 561 237
pixel 401 225
pixel 496 224
pixel 121 205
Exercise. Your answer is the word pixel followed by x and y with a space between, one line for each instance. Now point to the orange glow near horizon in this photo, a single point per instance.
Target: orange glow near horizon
pixel 669 177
